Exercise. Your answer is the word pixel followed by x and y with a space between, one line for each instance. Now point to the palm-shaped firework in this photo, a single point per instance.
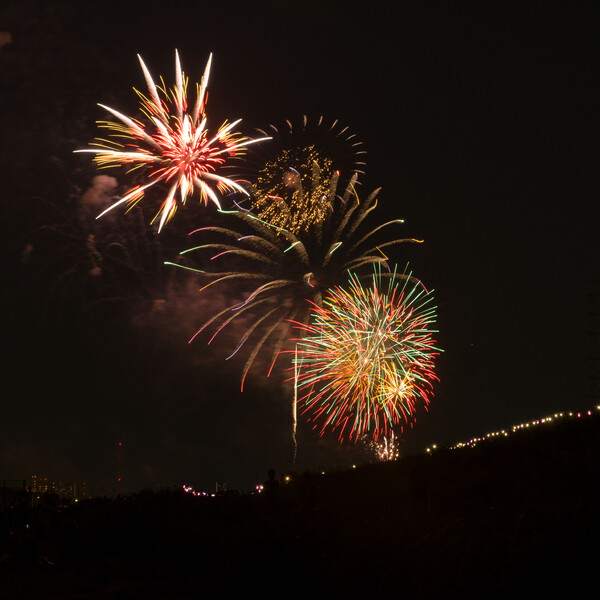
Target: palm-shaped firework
pixel 174 146
pixel 287 270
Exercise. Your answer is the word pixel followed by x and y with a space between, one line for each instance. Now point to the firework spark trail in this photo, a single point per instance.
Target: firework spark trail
pixel 295 411
pixel 366 358
pixel 174 147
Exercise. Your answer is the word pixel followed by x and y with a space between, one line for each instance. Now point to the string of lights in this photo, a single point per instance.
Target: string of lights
pixel 516 428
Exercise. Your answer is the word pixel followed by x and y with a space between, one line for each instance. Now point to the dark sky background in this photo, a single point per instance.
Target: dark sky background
pixel 481 125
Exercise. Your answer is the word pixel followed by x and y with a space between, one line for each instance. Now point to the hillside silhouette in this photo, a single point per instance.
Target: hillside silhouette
pixel 513 515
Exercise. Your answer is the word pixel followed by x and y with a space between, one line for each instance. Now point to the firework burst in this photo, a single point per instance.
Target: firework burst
pixel 291 192
pixel 289 178
pixel 173 147
pixel 385 448
pixel 366 358
pixel 285 270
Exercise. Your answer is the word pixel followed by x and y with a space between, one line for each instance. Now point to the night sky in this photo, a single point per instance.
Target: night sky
pixel 481 127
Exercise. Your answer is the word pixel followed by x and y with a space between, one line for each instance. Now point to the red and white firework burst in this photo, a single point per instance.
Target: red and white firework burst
pixel 174 145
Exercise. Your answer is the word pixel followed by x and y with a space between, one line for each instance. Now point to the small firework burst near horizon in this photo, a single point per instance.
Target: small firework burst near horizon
pixel 386 448
pixel 366 358
pixel 173 146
